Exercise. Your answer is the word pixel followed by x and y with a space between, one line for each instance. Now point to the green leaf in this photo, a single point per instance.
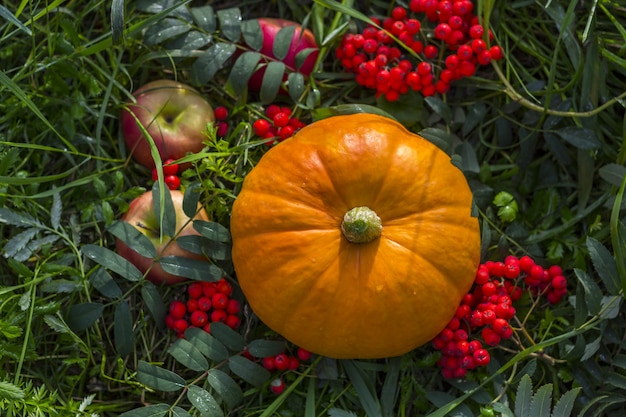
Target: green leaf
pixel 19 243
pixel 81 316
pixel 475 116
pixel 104 283
pixel 523 397
pixel 55 211
pixel 10 391
pixel 611 306
pixel 10 17
pixel 324 112
pixel 123 329
pixel 442 139
pixel 261 348
pixel 159 378
pixel 282 42
pixel 154 302
pixel 13 218
pixel 230 23
pixel 179 412
pixel 593 294
pixel 111 260
pixel 164 209
pixel 591 349
pixel 191 198
pixel 133 238
pixel 272 79
pixel 188 355
pixel 191 268
pixel 204 402
pixel 212 230
pixel 249 371
pixel 612 173
pixel 302 56
pixel 580 137
pixel 165 29
pixel 210 62
pixel 204 17
pixel 390 390
pixel 230 338
pixel 208 345
pixel 469 159
pixel 252 34
pixel 604 264
pixel 357 377
pixel 440 107
pixel 295 82
pixel 154 410
pixel 226 387
pixel 201 245
pixel 542 402
pixel 117 21
pixel 565 405
pixel 242 70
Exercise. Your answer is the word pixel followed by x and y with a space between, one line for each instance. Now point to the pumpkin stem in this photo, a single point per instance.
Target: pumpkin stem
pixel 361 225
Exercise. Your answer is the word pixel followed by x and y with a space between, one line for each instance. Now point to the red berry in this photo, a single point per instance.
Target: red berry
pixel 559 282
pixel 219 301
pixel 454 324
pixel 294 363
pixel 233 306
pixel 431 52
pixel 424 68
pixel 286 132
pixel 281 361
pixel 526 263
pixel 370 46
pixel 208 288
pixel 489 288
pixel 221 113
pixel 488 316
pixel 464 52
pixel 261 127
pixel 199 318
pixel 555 270
pixel 172 182
pixel 195 290
pixel 222 129
pixel 475 345
pixel 442 31
pixel 178 309
pixel 476 31
pixel 268 363
pixel 280 119
pixel 219 315
pixel 277 386
pixel 481 357
pixel 398 13
pixel 232 321
pixel 224 287
pixel 496 53
pixel 511 270
pixel 482 275
pixel 169 167
pixel 490 337
pixel 303 354
pixel 412 26
pixel 169 321
pixel 462 348
pixel 272 110
pixel 460 335
pixel 192 305
pixel 204 303
pixel 180 325
pixel 446 335
pixel 500 325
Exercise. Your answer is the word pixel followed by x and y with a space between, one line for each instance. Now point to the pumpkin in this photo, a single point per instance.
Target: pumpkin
pixel 354 238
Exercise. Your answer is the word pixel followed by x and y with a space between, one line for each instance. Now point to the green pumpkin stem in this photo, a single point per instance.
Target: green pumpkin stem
pixel 361 225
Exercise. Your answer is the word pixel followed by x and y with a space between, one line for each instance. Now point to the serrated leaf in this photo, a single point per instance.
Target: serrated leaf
pixel 523 397
pixel 55 211
pixel 165 29
pixel 604 264
pixel 282 42
pixel 123 329
pixel 542 402
pixel 81 316
pixel 242 70
pixel 14 218
pixel 226 387
pixel 212 230
pixel 191 268
pixel 565 405
pixel 611 306
pixel 19 242
pixel 204 17
pixel 230 338
pixel 295 82
pixel 272 79
pixel 111 260
pixel 613 173
pixel 261 348
pixel 133 238
pixel 154 410
pixel 164 210
pixel 210 62
pixel 249 371
pixel 591 349
pixel 188 355
pixel 35 245
pixel 252 34
pixel 208 345
pixel 10 391
pixel 204 402
pixel 230 23
pixel 580 137
pixel 158 378
pixel 366 397
pixel 593 294
pixel 104 283
pixel 153 301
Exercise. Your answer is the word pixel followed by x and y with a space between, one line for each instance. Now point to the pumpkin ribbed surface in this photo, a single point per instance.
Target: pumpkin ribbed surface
pixel 308 282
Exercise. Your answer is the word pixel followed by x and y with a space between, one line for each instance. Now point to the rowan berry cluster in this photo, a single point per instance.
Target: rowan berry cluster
pixel 279 124
pixel 401 56
pixel 170 174
pixel 488 308
pixel 280 363
pixel 207 302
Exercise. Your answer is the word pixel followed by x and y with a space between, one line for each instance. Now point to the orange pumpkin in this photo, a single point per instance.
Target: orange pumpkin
pixel 354 238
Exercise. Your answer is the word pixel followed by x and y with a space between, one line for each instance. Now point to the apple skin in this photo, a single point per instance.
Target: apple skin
pixel 174 114
pixel 301 40
pixel 142 216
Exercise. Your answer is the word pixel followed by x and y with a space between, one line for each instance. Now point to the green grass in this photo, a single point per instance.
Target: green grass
pixel 546 125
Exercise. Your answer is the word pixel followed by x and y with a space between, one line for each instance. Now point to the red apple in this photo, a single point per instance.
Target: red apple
pixel 142 216
pixel 174 114
pixel 301 40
